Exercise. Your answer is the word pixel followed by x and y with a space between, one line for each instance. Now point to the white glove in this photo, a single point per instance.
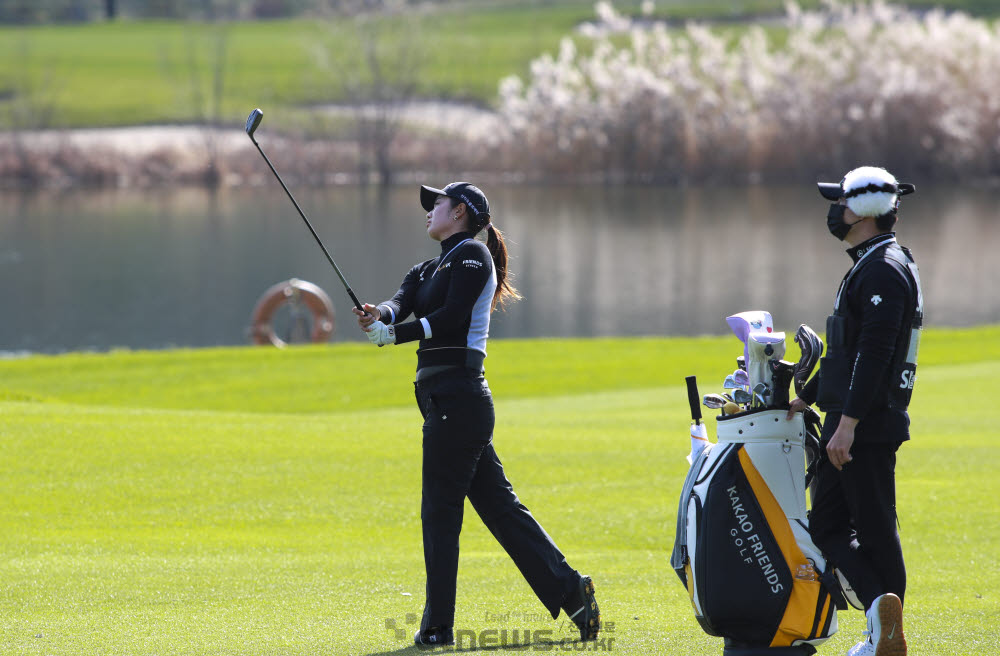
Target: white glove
pixel 381 334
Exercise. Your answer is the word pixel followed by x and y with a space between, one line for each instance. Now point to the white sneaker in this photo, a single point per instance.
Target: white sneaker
pixel 884 636
pixel 863 648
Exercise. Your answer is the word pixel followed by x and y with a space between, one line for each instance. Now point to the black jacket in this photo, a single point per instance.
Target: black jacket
pixel 878 305
pixel 451 297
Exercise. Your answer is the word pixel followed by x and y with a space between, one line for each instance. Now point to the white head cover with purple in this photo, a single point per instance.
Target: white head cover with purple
pixel 755 328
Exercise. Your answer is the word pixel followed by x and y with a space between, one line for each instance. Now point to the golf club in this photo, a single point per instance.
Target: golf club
pixel 781 376
pixel 812 348
pixel 742 378
pixel 760 393
pixel 252 122
pixel 714 401
pixel 742 396
pixel 692 389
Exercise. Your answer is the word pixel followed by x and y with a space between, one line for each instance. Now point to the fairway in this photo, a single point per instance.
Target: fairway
pixel 256 501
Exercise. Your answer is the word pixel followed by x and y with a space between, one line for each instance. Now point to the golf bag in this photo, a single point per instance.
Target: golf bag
pixel 742 547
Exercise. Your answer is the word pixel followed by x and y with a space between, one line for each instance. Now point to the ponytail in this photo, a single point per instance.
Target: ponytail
pixel 505 292
pixel 498 250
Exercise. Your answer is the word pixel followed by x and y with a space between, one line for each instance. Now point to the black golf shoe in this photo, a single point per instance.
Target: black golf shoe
pixel 436 636
pixel 581 606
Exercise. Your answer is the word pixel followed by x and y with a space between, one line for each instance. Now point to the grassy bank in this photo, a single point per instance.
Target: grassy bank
pixel 146 72
pixel 254 501
pixel 139 72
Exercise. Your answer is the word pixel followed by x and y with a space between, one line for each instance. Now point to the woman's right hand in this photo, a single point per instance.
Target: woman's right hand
pixel 366 319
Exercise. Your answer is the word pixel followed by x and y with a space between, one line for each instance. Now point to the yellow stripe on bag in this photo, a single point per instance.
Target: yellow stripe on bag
pixel 800 613
pixel 689 575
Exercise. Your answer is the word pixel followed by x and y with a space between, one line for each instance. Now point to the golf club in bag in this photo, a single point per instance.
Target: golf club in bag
pixel 742 547
pixel 253 121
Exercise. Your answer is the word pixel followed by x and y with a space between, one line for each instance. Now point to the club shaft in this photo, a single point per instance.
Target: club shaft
pixel 329 258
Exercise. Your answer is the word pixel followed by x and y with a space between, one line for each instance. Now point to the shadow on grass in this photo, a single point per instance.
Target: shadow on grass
pixel 460 648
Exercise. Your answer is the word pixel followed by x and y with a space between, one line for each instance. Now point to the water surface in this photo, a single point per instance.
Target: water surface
pixel 154 269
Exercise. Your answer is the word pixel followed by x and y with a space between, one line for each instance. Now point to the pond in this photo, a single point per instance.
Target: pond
pixel 162 268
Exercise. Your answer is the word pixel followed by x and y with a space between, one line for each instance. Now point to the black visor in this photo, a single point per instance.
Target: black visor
pixel 462 192
pixel 831 190
pixel 428 195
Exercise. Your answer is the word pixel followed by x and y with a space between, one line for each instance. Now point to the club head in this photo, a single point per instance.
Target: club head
pixel 714 401
pixel 781 365
pixel 742 396
pixel 730 383
pixel 781 377
pixel 741 377
pixel 253 121
pixel 812 349
pixel 762 392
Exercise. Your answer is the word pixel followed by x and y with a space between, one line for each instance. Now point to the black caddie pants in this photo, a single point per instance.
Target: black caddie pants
pixel 853 520
pixel 458 462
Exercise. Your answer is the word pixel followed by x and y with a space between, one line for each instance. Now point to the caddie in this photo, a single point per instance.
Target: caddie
pixel 864 386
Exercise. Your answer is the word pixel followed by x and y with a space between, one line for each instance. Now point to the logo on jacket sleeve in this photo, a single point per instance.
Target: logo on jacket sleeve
pixel 876 299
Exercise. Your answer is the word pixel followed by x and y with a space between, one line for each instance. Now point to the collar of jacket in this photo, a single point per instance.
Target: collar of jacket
pixel 454 240
pixel 859 251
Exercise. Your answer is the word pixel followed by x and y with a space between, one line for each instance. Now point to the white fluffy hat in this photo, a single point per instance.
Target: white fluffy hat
pixel 869 190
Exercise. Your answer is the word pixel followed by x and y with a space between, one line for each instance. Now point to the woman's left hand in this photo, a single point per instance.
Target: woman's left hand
pixel 381 334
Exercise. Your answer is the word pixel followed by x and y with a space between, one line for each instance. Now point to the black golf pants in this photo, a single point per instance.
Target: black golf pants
pixel 853 520
pixel 459 461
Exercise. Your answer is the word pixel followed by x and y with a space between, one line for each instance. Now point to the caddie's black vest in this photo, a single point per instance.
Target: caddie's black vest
pixel 843 330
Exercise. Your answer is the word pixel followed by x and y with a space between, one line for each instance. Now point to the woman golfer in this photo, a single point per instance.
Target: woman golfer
pixel 451 297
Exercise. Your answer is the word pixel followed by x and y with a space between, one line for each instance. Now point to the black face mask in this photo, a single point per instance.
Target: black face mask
pixel 835 221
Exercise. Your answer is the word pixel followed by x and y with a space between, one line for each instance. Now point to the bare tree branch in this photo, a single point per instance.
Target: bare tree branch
pixel 379 79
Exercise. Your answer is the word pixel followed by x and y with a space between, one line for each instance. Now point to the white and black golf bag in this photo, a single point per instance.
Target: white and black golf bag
pixel 742 545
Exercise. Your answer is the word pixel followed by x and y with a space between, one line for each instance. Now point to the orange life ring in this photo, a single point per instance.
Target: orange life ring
pixel 292 291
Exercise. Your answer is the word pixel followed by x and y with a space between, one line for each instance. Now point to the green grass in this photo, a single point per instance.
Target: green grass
pixel 255 501
pixel 142 72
